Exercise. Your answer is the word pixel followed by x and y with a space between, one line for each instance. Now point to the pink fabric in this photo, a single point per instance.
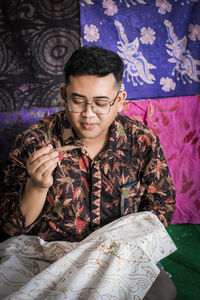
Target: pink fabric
pixel 177 123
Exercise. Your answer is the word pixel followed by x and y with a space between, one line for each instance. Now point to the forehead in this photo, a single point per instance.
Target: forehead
pixel 89 84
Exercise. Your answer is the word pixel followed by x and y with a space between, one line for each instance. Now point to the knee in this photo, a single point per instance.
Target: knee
pixel 171 292
pixel 167 286
pixel 163 288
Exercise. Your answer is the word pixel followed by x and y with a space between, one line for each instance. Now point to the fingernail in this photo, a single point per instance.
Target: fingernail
pixel 50 146
pixel 46 149
pixel 55 153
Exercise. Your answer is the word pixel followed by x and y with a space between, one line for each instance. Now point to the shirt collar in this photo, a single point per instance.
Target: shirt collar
pixel 117 138
pixel 67 132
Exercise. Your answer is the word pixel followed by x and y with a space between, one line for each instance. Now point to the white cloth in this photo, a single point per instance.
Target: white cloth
pixel 118 261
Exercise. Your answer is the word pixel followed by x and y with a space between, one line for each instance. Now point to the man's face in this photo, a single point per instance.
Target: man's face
pixel 90 126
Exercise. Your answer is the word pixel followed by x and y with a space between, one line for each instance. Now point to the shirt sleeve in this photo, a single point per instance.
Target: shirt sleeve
pixel 14 179
pixel 159 193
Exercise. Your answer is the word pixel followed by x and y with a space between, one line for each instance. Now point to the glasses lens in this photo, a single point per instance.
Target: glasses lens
pixel 101 106
pixel 78 105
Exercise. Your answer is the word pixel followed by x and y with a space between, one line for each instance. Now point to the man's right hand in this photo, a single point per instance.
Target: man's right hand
pixel 40 166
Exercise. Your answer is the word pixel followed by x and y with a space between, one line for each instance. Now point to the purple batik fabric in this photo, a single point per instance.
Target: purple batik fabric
pixel 14 122
pixel 159 42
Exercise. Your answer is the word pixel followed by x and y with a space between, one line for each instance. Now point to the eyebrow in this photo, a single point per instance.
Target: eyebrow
pixel 82 96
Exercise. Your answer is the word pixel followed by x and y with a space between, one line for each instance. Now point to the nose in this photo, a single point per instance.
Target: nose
pixel 88 110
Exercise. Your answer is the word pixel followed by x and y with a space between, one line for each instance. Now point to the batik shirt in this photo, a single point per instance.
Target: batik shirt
pixel 130 175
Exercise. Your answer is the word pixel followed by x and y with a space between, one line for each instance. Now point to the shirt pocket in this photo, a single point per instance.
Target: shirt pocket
pixel 131 194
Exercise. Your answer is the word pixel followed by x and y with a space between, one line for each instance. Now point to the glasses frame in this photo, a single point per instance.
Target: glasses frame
pixel 90 103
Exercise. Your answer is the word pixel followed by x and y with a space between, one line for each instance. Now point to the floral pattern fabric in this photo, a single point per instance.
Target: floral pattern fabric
pixel 129 176
pixel 159 42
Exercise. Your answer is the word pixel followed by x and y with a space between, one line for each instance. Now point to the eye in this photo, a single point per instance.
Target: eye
pixel 77 100
pixel 101 103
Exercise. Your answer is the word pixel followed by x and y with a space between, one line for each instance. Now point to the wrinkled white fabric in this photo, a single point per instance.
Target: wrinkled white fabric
pixel 118 261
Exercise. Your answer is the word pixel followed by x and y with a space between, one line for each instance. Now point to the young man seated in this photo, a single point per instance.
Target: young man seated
pixel 66 174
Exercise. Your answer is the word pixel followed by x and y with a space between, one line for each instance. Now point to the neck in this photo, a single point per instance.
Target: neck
pixel 95 146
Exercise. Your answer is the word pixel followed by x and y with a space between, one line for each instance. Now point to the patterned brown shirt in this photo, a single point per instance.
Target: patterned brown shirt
pixel 129 175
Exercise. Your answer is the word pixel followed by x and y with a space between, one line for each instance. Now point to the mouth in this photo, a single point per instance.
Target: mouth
pixel 88 126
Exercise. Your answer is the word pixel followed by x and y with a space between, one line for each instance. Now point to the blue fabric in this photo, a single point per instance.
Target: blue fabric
pixel 159 42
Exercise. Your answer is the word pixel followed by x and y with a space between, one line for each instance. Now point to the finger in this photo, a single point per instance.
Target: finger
pixel 36 154
pixel 35 165
pixel 42 164
pixel 47 179
pixel 48 172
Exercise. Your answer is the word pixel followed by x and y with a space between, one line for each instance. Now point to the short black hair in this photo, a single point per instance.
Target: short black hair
pixel 94 61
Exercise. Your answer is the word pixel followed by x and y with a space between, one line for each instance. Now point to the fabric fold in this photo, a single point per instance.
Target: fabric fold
pixel 117 261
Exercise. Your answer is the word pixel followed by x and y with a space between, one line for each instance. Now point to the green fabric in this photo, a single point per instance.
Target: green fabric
pixel 184 264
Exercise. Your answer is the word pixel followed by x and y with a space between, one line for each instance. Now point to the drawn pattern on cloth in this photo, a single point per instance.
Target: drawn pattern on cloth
pixel 118 261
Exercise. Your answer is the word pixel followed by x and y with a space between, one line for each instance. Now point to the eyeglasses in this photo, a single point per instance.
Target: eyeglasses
pixel 77 104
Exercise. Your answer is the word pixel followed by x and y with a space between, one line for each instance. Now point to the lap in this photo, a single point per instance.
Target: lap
pixel 162 288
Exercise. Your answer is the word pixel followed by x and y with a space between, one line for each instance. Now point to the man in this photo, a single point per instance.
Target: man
pixel 84 167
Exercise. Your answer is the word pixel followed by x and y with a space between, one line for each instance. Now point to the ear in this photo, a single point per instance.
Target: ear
pixel 62 90
pixel 121 98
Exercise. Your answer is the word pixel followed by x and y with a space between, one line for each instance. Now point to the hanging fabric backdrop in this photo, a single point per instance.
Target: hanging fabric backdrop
pixel 36 39
pixel 159 42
